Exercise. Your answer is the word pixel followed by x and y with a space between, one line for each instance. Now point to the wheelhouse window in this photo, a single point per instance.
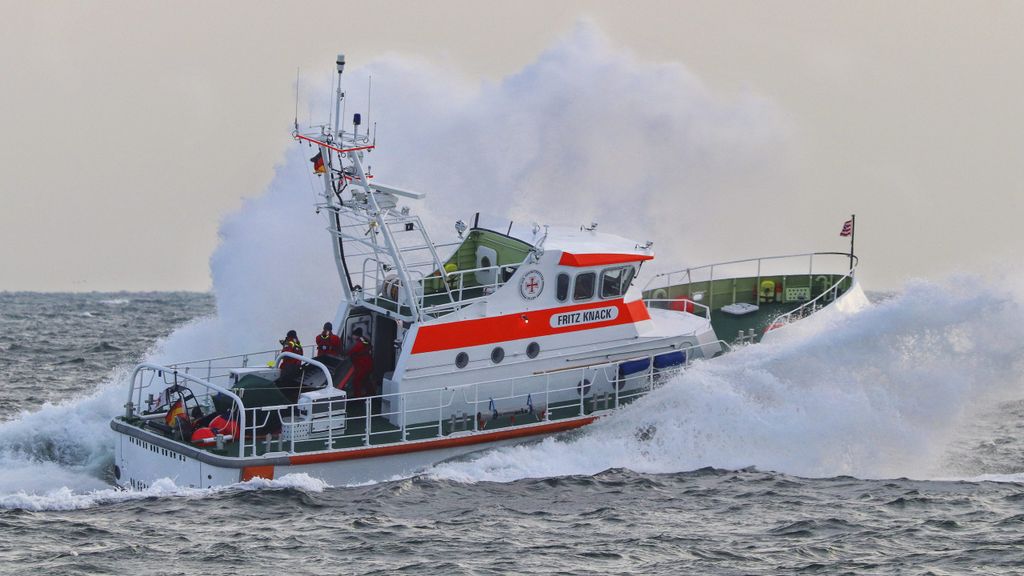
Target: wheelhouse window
pixel 615 281
pixel 583 289
pixel 562 287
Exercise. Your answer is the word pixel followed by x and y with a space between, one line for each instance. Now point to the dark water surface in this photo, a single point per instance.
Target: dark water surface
pixel 58 517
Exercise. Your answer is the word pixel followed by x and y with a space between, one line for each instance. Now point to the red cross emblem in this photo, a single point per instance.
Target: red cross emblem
pixel 532 285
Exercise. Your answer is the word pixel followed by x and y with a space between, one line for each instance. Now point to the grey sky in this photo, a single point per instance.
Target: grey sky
pixel 132 128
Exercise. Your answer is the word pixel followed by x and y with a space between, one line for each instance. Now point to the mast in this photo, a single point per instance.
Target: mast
pixel 381 250
pixel 853 232
pixel 333 203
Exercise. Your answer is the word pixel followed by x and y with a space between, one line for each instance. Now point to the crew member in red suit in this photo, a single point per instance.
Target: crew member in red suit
pixel 328 343
pixel 362 361
pixel 290 344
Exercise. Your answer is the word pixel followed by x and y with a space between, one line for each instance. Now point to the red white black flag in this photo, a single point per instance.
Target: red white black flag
pixel 847 228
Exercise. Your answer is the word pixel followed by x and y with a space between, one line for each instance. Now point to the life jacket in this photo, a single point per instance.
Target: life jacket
pixel 330 344
pixel 295 347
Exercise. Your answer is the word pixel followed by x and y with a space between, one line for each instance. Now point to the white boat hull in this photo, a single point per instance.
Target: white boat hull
pixel 143 457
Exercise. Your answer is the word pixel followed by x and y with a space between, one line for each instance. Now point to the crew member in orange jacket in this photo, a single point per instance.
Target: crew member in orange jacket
pixel 327 342
pixel 362 360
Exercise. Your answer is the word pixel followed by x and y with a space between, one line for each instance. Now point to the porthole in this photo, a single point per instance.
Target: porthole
pixel 497 355
pixel 461 360
pixel 532 350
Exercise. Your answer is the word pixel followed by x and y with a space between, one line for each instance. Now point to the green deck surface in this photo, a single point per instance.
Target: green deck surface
pixel 727 291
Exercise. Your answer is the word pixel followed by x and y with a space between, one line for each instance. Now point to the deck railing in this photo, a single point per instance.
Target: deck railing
pixel 169 377
pixel 453 285
pixel 807 308
pixel 537 394
pixel 790 264
pixel 220 367
pixel 672 304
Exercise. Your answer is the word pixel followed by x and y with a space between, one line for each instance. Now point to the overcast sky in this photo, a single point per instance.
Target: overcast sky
pixel 132 129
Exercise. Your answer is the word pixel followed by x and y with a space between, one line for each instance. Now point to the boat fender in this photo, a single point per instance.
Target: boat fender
pixel 660 294
pixel 203 435
pixel 670 359
pixel 583 387
pixel 224 426
pixel 627 369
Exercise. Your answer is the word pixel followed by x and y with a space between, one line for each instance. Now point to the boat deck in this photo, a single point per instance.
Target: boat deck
pixel 727 326
pixel 382 432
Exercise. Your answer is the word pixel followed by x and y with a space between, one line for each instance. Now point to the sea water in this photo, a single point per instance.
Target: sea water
pixel 884 441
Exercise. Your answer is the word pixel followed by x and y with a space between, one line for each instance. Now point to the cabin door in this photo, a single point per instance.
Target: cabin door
pixel 384 335
pixel 361 321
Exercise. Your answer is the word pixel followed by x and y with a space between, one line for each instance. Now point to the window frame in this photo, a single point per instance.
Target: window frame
pixel 558 286
pixel 623 285
pixel 593 286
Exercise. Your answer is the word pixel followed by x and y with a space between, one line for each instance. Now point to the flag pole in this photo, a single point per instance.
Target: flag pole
pixel 853 233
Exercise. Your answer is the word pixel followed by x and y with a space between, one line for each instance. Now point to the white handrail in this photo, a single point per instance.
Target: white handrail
pixel 705 309
pixel 158 368
pixel 522 387
pixel 690 270
pixel 833 290
pixel 327 373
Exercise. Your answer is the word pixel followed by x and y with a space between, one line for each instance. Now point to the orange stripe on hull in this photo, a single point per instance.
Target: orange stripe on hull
pixel 581 260
pixel 409 447
pixel 250 472
pixel 481 331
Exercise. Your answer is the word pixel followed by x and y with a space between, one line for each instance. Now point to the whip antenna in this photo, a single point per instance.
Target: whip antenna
pixel 297 99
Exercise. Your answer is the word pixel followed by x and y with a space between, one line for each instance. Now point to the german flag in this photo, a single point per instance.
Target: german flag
pixel 177 409
pixel 318 163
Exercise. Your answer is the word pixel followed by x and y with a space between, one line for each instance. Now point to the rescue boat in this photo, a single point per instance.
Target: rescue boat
pixel 513 332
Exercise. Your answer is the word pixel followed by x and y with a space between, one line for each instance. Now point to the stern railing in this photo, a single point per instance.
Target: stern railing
pixel 706 273
pixel 830 294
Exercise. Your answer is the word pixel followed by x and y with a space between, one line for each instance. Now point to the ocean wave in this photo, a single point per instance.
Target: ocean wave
pixel 65 498
pixel 875 394
pixel 116 301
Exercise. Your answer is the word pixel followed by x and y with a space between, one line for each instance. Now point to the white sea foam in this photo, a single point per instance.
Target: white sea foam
pixel 555 138
pixel 876 394
pixel 65 498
